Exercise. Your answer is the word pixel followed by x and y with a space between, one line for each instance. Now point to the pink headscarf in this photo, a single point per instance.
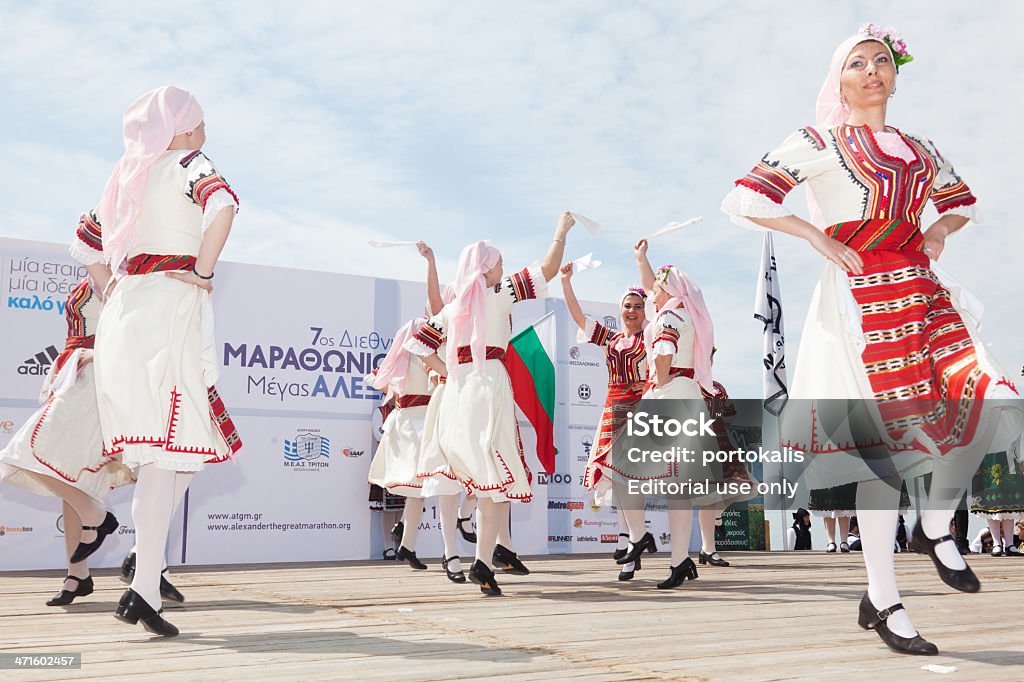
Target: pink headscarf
pixel 467 317
pixel 150 123
pixel 830 110
pixel 686 294
pixel 391 373
pixel 624 341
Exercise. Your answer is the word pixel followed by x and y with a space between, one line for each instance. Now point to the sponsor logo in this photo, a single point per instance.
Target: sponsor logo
pixel 6 426
pixel 574 352
pixel 306 450
pixel 5 530
pixel 559 538
pixel 610 538
pixel 588 442
pixel 583 391
pixel 570 505
pixel 586 538
pixel 665 538
pixel 595 506
pixel 611 322
pixel 40 363
pixel 581 523
pixel 582 458
pixel 349 452
pixel 60 524
pixel 556 478
pixel 577 523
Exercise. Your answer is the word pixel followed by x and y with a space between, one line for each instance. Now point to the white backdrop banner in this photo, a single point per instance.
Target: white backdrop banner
pixel 294 347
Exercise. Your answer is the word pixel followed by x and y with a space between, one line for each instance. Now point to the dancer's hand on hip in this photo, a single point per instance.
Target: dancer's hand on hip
pixel 192 278
pixel 839 253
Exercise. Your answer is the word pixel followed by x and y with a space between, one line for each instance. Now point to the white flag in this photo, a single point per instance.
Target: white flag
pixel 593 227
pixel 378 244
pixel 768 310
pixel 587 262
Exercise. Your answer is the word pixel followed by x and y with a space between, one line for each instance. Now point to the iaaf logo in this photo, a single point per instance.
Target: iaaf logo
pixel 304 452
pixel 610 538
pixel 40 363
pixel 349 452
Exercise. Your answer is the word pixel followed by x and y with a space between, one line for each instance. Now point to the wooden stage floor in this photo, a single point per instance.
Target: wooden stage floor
pixel 772 616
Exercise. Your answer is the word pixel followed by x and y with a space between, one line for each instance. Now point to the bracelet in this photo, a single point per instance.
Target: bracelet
pixel 556 239
pixel 201 276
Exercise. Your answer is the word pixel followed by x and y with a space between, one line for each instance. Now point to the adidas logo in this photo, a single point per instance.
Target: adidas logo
pixel 39 364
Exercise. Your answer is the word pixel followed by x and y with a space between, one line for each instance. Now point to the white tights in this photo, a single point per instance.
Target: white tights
pixel 153 507
pixel 490 515
pixel 680 524
pixel 448 511
pixel 411 516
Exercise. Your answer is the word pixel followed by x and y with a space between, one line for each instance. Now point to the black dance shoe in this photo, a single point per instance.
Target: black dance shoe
pixel 483 576
pixel 844 547
pixel 508 561
pixel 389 554
pixel 65 597
pixel 410 557
pixel 86 549
pixel 714 559
pixel 454 576
pixel 619 553
pixel 686 569
pixel 871 618
pixel 467 535
pixel 963 579
pixel 397 531
pixel 167 590
pixel 628 575
pixel 637 548
pixel 132 608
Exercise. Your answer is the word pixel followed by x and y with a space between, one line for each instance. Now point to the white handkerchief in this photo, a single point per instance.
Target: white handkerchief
pixel 675 226
pixel 593 227
pixel 587 262
pixel 377 244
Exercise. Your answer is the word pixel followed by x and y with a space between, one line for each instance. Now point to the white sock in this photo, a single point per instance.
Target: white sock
pixel 505 525
pixel 877 517
pixel 448 511
pixel 680 523
pixel 488 518
pixel 623 531
pixel 411 517
pixel 1007 534
pixel 707 518
pixel 152 508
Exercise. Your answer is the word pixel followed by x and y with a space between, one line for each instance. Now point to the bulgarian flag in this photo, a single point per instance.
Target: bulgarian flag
pixel 530 360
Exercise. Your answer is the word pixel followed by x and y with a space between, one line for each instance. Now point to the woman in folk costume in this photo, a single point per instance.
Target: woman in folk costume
pixel 886 326
pixel 389 507
pixel 166 214
pixel 404 376
pixel 626 359
pixel 59 450
pixel 477 433
pixel 679 344
pixel 997 495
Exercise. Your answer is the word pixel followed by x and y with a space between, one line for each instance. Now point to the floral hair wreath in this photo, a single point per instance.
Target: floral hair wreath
pixel 662 274
pixel 636 291
pixel 892 40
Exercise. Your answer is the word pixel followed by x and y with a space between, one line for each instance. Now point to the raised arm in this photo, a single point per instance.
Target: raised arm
pixel 570 298
pixel 433 284
pixel 643 265
pixel 553 259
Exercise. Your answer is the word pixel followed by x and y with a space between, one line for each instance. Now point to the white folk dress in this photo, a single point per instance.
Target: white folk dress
pixel 901 339
pixel 62 439
pixel 477 436
pixel 395 463
pixel 156 364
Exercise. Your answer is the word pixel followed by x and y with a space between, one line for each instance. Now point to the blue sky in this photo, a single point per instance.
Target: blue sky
pixel 449 122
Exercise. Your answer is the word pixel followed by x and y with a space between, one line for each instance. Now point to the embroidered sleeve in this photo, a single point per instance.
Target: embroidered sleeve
pixel 430 336
pixel 594 332
pixel 202 181
pixel 666 333
pixel 949 193
pixel 802 156
pixel 525 285
pixel 87 246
